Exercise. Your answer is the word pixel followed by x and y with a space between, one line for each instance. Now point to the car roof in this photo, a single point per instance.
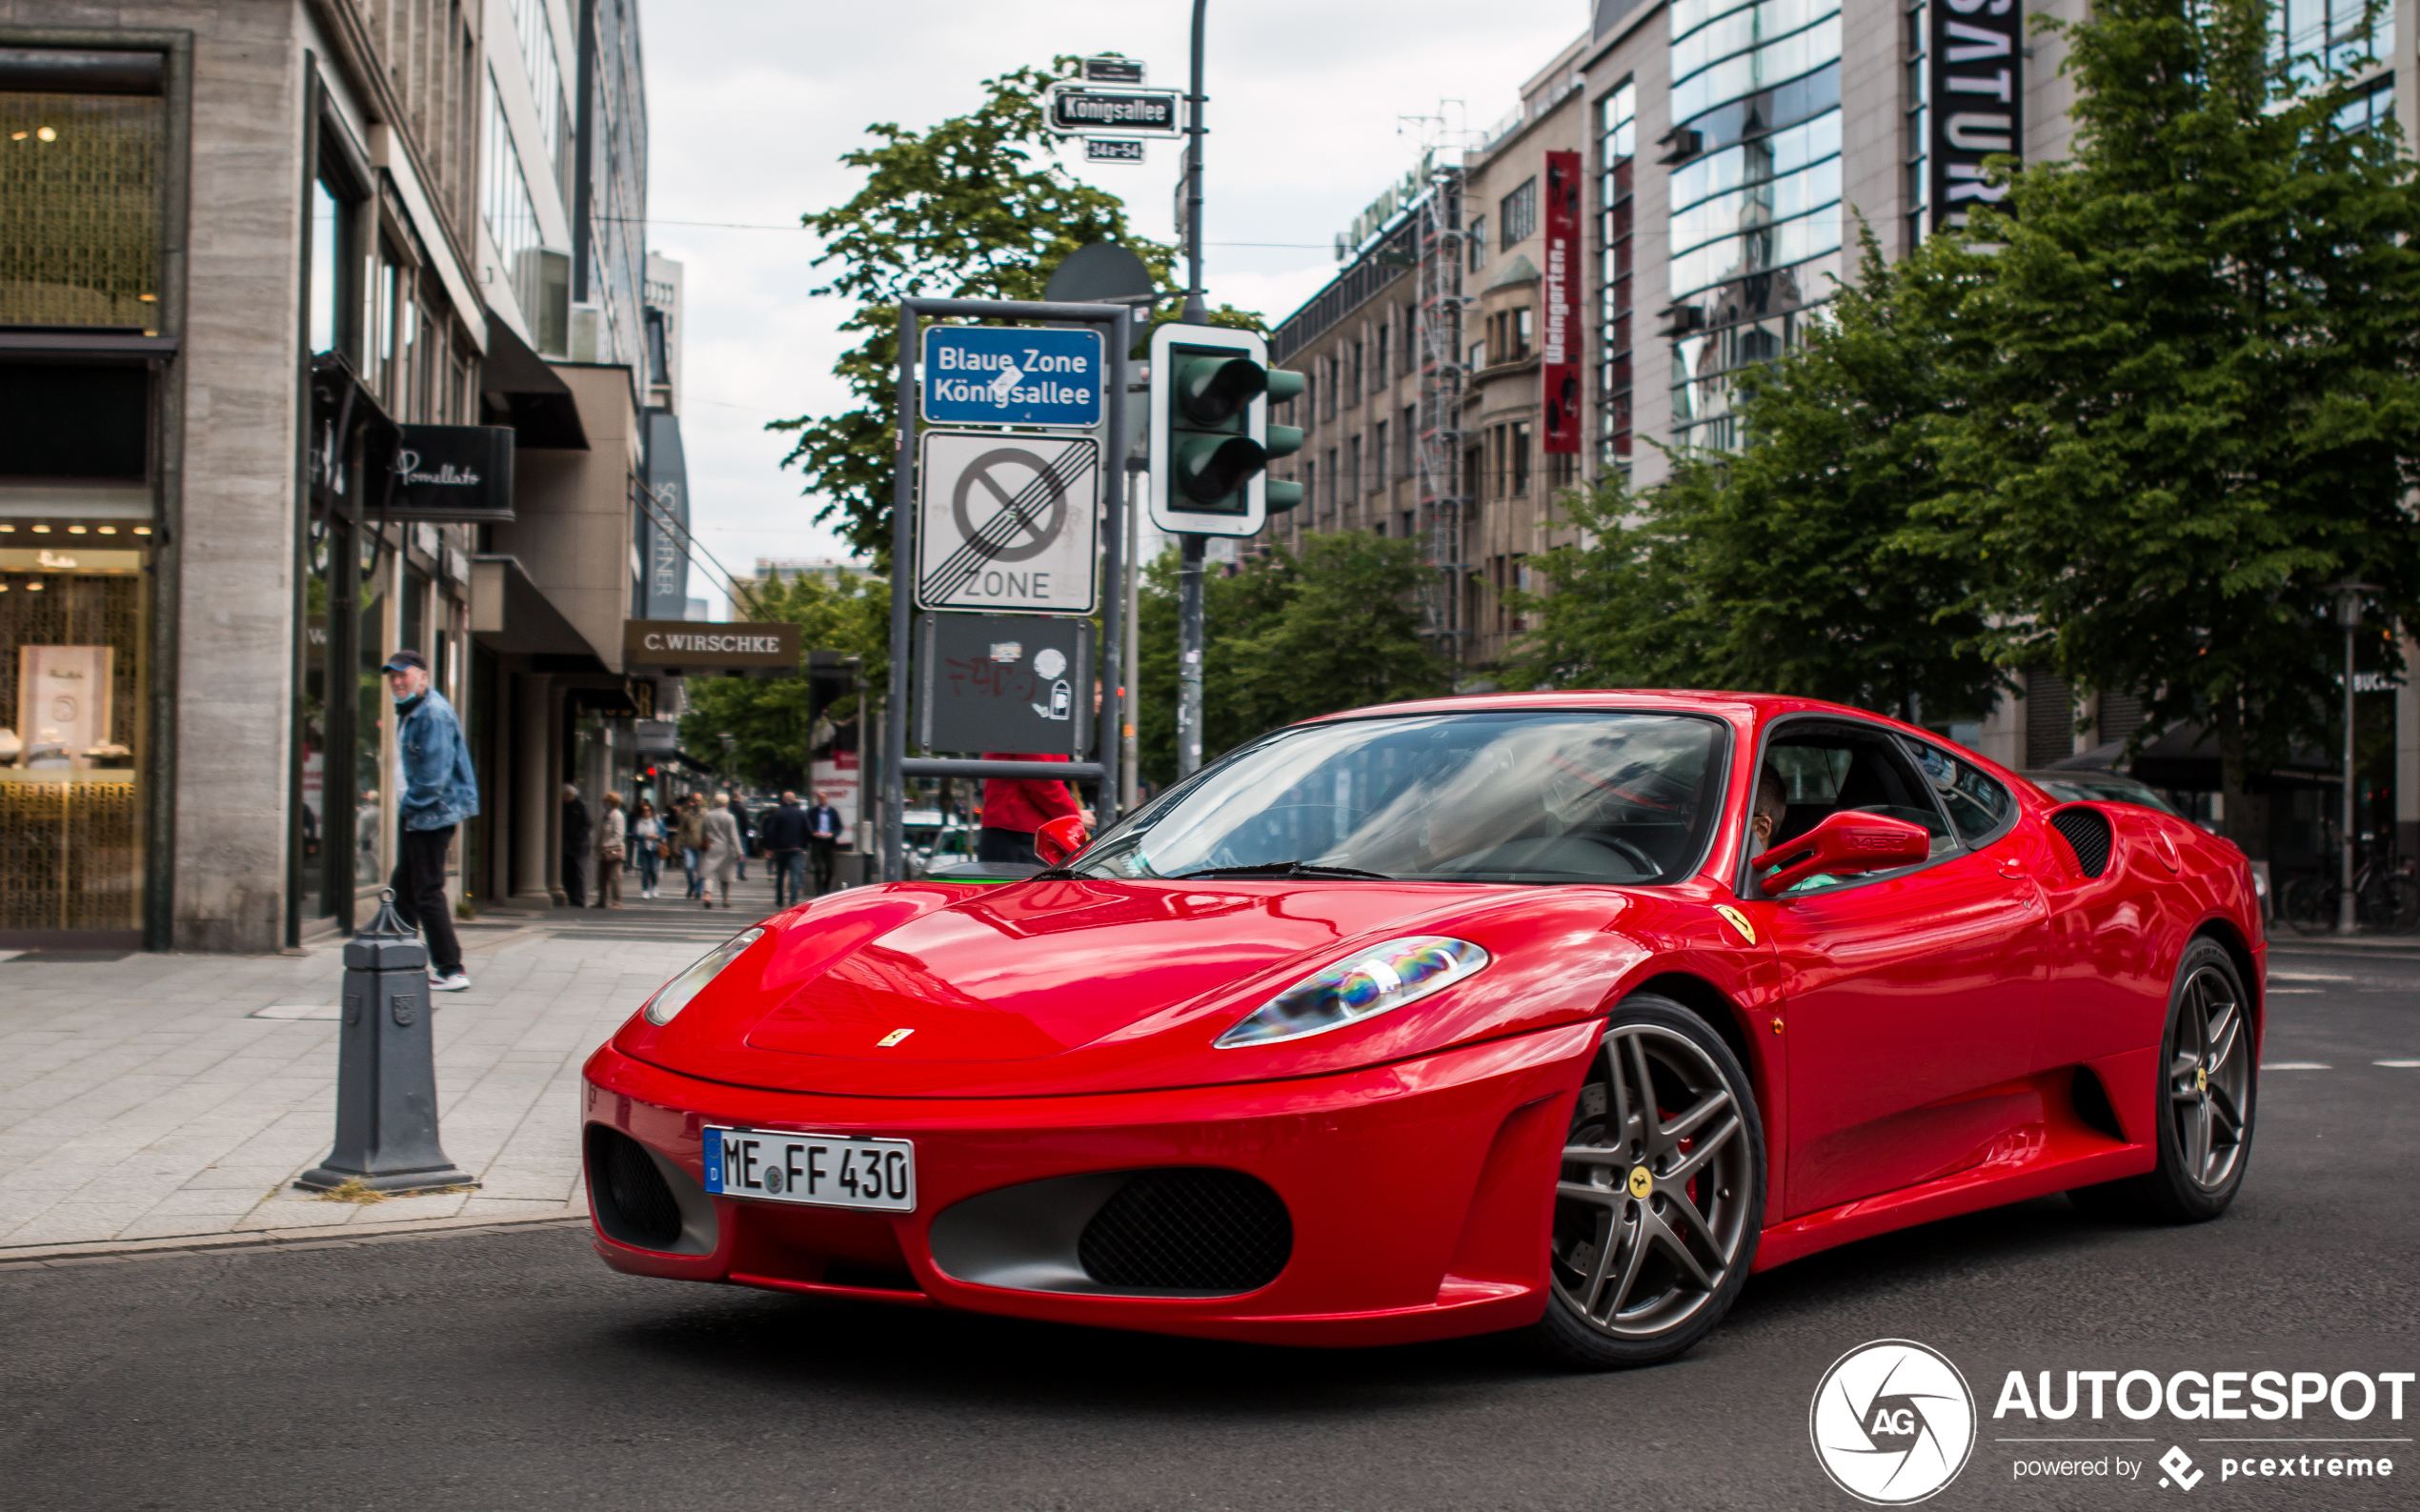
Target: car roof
pixel 1745 708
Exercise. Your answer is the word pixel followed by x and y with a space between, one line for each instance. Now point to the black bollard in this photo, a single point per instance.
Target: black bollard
pixel 386 1070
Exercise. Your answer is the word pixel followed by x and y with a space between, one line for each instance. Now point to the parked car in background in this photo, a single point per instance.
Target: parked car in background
pixel 936 839
pixel 2100 787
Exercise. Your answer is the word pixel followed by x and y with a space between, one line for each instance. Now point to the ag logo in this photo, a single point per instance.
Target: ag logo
pixel 1892 1421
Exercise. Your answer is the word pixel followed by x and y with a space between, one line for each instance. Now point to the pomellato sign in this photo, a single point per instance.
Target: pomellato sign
pixel 686 646
pixel 452 475
pixel 1977 106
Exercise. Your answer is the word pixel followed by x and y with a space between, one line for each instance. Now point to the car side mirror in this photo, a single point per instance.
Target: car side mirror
pixel 1850 840
pixel 1060 839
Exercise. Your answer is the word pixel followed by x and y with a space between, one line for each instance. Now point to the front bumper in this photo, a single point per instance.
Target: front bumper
pixel 1420 1193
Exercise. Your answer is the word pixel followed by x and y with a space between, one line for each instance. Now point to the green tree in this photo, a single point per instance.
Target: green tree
pixel 976 208
pixel 771 718
pixel 1290 638
pixel 2194 394
pixel 1789 567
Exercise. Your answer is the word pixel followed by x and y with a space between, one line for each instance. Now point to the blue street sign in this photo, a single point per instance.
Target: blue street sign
pixel 1012 375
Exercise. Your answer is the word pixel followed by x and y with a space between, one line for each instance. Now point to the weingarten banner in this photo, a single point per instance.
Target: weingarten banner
pixel 1559 362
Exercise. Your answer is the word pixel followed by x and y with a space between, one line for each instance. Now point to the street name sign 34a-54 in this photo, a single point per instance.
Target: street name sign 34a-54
pixel 1007 522
pixel 1012 375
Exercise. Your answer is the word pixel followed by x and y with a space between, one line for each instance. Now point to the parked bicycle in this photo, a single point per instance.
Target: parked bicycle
pixel 2385 897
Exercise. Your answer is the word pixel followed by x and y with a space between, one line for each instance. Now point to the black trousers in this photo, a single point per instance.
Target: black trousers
pixel 1005 845
pixel 575 885
pixel 419 884
pixel 819 855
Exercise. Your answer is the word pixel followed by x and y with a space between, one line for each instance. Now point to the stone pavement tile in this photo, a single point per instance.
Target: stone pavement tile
pixel 66 1222
pixel 489 1207
pixel 233 1201
pixel 293 1210
pixel 182 1225
pixel 399 1209
pixel 253 1179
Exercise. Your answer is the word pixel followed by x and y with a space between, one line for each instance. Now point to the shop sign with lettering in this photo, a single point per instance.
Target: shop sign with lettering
pixel 452 475
pixel 1978 102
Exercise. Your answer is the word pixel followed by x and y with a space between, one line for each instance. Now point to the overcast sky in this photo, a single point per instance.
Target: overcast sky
pixel 752 102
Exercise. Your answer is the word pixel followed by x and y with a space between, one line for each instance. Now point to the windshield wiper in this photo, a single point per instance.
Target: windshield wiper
pixel 1285 869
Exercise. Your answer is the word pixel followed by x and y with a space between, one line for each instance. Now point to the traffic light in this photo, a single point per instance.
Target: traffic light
pixel 1211 439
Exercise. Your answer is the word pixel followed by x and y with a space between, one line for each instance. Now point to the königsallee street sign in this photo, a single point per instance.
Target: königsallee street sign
pixel 1012 375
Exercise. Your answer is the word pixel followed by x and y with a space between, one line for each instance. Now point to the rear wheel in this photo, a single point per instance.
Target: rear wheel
pixel 2209 1075
pixel 1660 1194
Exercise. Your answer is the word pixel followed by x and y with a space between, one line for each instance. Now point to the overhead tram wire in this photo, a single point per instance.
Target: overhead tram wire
pixel 741 225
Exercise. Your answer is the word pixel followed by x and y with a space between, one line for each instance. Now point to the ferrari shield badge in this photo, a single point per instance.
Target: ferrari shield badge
pixel 1737 920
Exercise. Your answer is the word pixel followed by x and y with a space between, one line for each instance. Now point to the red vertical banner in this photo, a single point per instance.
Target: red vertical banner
pixel 1559 355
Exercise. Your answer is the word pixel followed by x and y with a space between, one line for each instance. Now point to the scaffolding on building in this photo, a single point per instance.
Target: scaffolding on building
pixel 1443 502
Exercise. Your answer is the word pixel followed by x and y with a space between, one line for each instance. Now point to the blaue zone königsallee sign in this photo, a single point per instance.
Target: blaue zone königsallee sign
pixel 686 646
pixel 1012 375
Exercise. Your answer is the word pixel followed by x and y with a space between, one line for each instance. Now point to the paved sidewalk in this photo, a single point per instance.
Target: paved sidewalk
pixel 148 1099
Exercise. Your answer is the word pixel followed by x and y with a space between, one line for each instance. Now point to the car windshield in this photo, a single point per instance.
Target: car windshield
pixel 1523 796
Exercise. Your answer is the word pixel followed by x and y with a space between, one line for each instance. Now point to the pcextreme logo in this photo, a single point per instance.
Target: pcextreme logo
pixel 1892 1421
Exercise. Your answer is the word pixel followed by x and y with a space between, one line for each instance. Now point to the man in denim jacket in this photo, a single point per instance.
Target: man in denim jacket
pixel 439 791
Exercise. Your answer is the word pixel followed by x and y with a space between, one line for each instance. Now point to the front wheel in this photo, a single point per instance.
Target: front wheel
pixel 2310 904
pixel 1660 1196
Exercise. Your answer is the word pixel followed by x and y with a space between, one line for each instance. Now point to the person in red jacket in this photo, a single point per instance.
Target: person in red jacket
pixel 1014 808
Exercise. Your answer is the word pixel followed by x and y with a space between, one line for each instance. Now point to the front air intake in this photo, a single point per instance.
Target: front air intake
pixel 1189 1230
pixel 634 1203
pixel 2085 830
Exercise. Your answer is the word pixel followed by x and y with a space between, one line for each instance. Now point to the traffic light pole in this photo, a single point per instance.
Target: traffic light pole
pixel 1190 547
pixel 1189 555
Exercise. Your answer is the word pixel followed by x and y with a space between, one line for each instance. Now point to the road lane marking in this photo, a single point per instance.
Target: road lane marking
pixel 2306 975
pixel 2400 1065
pixel 2291 992
pixel 2295 1065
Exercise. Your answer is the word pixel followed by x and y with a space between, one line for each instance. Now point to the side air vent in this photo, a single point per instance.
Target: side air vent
pixel 1191 1230
pixel 634 1203
pixel 2088 831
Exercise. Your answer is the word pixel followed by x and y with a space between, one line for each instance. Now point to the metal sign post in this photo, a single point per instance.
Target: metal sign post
pixel 1114 328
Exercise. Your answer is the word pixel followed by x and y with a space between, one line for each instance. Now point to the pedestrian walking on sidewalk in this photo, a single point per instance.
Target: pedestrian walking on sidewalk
pixel 646 838
pixel 747 832
pixel 576 831
pixel 612 854
pixel 782 831
pixel 823 837
pixel 441 790
pixel 692 840
pixel 722 849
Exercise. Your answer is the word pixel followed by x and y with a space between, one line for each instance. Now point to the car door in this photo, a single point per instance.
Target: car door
pixel 1911 995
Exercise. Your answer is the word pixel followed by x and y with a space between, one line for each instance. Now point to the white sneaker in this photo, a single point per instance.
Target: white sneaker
pixel 458 983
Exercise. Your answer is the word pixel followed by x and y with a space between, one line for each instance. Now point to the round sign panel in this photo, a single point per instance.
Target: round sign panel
pixel 1892 1421
pixel 1009 505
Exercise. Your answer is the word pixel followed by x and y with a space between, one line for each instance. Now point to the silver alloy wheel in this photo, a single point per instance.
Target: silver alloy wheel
pixel 2209 1076
pixel 1651 1210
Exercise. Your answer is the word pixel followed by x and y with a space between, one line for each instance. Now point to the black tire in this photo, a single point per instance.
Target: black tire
pixel 2204 1083
pixel 1683 1249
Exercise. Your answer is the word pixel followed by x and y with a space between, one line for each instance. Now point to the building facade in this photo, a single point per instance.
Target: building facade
pixel 262 265
pixel 1728 155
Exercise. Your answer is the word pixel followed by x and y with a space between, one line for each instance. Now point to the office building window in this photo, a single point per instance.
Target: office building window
pixel 1516 215
pixel 1478 242
pixel 1518 441
pixel 1617 149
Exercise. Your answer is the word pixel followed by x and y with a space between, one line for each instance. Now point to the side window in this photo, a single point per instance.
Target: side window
pixel 1978 806
pixel 1825 768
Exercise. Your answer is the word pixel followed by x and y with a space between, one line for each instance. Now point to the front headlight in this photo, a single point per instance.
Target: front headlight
pixel 673 995
pixel 1362 986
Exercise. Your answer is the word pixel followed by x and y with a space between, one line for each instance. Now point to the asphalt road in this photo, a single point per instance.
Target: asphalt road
pixel 512 1370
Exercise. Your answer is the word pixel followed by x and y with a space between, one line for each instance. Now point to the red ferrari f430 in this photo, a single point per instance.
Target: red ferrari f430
pixel 1560 1012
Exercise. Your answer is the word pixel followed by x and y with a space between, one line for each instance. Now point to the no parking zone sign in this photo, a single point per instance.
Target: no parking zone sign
pixel 1007 522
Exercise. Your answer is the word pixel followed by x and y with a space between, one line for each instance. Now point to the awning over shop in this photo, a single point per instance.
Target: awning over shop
pixel 517 387
pixel 509 615
pixel 2185 759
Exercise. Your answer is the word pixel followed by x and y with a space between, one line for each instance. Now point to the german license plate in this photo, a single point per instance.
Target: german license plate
pixel 819 1170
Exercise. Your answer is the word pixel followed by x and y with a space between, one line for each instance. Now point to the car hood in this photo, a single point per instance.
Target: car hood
pixel 1061 986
